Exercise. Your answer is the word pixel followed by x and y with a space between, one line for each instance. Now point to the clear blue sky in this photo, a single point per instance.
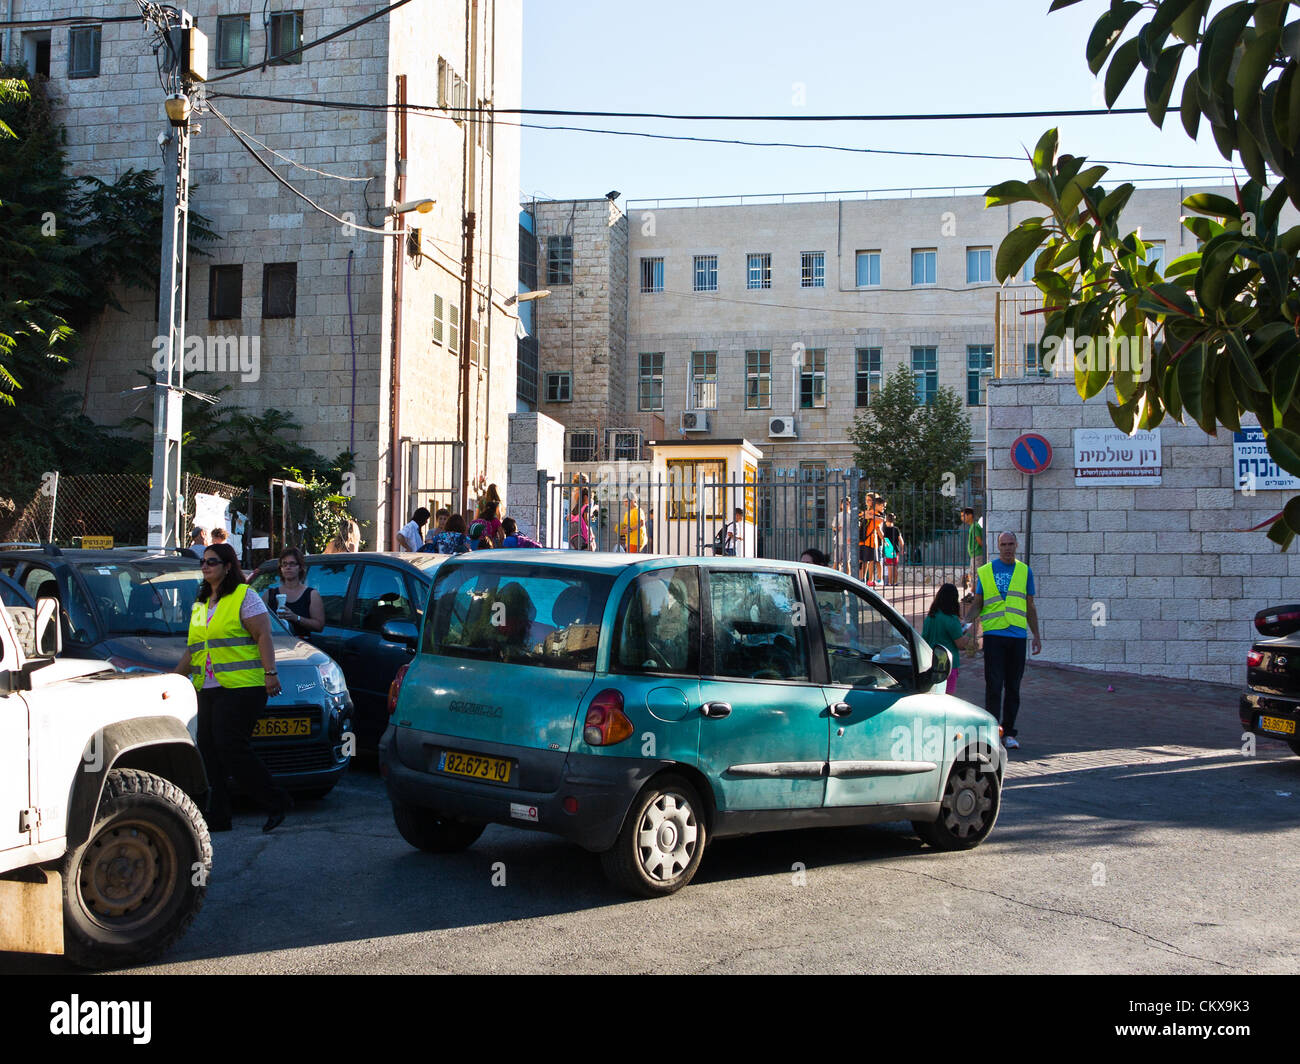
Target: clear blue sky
pixel 733 57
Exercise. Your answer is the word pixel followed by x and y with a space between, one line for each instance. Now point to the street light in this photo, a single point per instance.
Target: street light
pixel 526 297
pixel 419 206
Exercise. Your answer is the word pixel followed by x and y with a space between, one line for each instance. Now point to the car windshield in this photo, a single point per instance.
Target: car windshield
pixel 145 597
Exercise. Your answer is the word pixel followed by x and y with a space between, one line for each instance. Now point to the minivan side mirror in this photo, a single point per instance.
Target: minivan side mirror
pixel 400 632
pixel 941 667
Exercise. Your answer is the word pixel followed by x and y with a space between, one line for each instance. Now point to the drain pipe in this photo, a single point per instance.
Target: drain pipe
pixel 395 370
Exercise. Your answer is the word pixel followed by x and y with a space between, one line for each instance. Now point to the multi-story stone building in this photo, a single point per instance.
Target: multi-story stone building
pixel 359 335
pixel 777 321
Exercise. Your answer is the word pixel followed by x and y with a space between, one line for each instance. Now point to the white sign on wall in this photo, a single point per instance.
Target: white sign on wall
pixel 1252 467
pixel 1107 456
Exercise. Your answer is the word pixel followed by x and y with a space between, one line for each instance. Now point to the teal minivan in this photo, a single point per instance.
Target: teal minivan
pixel 640 706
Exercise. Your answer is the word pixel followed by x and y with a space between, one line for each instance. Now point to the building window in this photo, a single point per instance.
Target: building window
pixel 439 316
pixel 868 268
pixel 453 328
pixel 704 380
pixel 685 475
pixel 650 381
pixel 36 52
pixel 758 380
pixel 923 266
pixel 979 368
pixel 286 37
pixel 559 390
pixel 1034 365
pixel 925 370
pixel 652 275
pixel 812 490
pixel 758 270
pixel 582 443
pixel 979 265
pixel 623 445
pixel 225 291
pixel 232 41
pixel 280 290
pixel 1155 254
pixel 83 52
pixel 812 269
pixel 526 374
pixel 706 273
pixel 812 379
pixel 868 380
pixel 559 260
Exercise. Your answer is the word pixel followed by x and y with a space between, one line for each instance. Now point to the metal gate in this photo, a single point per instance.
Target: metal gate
pixel 433 475
pixel 780 515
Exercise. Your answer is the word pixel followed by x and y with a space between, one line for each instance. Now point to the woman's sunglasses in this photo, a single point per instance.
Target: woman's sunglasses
pixel 211 561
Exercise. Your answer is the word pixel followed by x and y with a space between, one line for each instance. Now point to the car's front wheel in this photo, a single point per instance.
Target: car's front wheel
pixel 662 841
pixel 426 830
pixel 137 883
pixel 968 809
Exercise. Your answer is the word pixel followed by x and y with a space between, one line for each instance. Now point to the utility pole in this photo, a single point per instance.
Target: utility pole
pixel 185 56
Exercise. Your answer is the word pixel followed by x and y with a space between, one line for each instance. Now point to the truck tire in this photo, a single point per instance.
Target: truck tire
pixel 135 886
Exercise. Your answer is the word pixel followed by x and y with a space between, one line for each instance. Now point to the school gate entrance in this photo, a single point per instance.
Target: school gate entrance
pixel 777 514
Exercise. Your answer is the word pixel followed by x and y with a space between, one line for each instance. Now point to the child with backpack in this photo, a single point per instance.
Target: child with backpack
pixel 515 538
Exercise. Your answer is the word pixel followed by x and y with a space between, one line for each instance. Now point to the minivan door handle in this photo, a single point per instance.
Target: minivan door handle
pixel 716 710
pixel 841 709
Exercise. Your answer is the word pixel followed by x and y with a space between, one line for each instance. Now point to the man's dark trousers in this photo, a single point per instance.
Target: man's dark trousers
pixel 1004 665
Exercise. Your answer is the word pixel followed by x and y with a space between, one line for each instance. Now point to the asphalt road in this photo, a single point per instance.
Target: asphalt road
pixel 1130 840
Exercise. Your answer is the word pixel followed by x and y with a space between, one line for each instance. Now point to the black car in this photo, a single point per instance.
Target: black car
pixel 132 608
pixel 369 597
pixel 1270 707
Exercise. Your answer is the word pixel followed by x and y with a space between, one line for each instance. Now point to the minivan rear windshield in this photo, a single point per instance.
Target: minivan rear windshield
pixel 522 614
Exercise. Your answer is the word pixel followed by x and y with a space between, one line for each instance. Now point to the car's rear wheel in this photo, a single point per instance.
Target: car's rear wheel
pixel 968 809
pixel 136 884
pixel 426 830
pixel 662 841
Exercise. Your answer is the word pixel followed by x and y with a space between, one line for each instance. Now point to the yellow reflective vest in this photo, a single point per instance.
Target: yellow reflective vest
pixel 236 661
pixel 1003 615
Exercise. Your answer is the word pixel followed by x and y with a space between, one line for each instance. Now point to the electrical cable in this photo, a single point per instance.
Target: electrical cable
pixel 301 195
pixel 300 166
pixel 452 113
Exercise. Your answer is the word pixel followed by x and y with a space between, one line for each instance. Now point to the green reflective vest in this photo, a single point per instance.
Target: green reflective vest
pixel 998 614
pixel 235 657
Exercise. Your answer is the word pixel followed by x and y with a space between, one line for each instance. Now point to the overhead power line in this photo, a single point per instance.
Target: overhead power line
pixel 454 114
pixel 966 116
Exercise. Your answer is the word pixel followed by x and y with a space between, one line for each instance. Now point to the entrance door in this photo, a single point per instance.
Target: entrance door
pixel 879 737
pixel 765 744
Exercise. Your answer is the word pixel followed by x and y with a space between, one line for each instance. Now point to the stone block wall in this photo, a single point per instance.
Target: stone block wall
pixel 1156 580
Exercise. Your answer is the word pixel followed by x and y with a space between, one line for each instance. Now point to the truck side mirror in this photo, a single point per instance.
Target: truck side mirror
pixel 49 633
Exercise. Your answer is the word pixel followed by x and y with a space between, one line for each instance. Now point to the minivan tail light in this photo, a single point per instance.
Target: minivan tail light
pixel 606 724
pixel 1253 658
pixel 396 686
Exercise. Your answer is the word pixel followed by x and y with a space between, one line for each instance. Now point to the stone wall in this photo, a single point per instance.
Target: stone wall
pixel 536 451
pixel 1155 580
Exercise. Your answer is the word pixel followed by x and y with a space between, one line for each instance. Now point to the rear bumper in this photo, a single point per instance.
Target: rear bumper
pixel 602 787
pixel 1255 706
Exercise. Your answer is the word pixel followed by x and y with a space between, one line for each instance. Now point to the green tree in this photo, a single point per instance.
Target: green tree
pixel 901 442
pixel 1222 321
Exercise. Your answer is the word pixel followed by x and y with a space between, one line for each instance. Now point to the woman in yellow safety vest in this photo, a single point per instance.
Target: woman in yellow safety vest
pixel 231 661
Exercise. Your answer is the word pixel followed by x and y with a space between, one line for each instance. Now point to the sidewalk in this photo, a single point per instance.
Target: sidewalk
pixel 1069 720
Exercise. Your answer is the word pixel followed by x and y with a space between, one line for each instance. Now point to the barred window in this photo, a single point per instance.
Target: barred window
pixel 758 270
pixel 812 272
pixel 652 275
pixel 706 273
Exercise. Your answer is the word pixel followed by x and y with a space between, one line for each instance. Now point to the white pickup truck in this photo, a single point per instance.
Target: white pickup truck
pixel 104 855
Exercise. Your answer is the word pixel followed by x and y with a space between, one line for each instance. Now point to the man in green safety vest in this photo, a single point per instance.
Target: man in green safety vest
pixel 1004 608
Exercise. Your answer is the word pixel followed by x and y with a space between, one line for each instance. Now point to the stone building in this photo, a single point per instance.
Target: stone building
pixel 775 319
pixel 314 297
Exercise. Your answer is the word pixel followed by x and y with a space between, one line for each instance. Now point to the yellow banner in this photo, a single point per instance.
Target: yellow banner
pixel 96 542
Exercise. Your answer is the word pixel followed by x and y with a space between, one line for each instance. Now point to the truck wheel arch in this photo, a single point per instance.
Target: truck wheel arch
pixel 161 745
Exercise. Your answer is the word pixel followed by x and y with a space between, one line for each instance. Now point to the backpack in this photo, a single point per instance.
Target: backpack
pixel 720 540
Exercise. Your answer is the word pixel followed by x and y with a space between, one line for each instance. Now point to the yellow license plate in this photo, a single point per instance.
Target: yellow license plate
pixel 1277 724
pixel 281 727
pixel 475 766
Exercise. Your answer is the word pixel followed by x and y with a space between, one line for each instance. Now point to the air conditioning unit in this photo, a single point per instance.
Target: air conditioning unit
pixel 695 421
pixel 782 427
